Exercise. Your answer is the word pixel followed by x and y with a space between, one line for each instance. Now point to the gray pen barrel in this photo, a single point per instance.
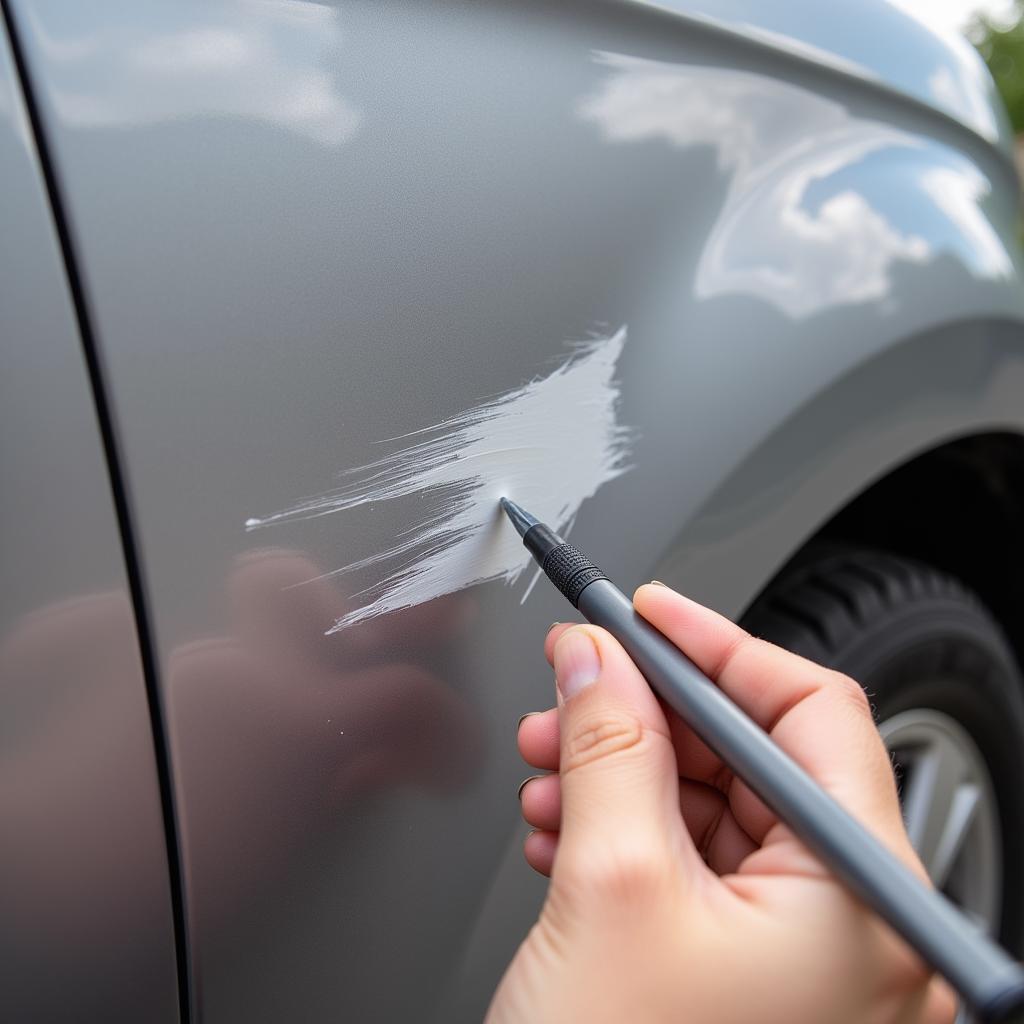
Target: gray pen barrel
pixel 987 978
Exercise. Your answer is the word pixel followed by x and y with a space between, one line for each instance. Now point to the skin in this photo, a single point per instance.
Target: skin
pixel 675 894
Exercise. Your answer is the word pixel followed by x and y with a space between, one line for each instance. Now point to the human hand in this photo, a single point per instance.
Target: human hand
pixel 675 894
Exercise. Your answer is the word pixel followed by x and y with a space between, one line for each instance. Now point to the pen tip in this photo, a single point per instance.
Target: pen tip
pixel 521 519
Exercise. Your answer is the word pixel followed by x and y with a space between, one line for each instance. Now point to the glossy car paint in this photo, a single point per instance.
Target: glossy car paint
pixel 303 228
pixel 86 927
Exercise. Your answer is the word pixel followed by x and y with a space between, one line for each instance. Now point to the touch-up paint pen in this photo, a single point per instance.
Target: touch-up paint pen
pixel 989 981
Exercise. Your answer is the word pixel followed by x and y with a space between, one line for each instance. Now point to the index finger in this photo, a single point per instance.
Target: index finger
pixel 820 717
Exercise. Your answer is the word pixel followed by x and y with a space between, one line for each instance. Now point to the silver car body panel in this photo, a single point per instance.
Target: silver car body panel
pixel 86 931
pixel 303 229
pixel 875 41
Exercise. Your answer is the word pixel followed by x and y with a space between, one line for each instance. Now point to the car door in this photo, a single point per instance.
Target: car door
pixel 87 930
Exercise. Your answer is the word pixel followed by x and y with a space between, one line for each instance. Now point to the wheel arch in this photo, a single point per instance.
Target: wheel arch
pixel 959 507
pixel 918 450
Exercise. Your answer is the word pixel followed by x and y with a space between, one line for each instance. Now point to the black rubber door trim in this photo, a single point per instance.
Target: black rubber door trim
pixel 118 487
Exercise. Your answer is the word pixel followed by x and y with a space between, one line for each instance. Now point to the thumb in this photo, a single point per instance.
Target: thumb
pixel 621 822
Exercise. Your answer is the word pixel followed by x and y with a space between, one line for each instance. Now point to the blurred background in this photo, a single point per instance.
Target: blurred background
pixel 996 29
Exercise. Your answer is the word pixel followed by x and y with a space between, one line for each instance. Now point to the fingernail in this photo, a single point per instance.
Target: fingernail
pixel 577 663
pixel 658 583
pixel 553 624
pixel 522 785
pixel 523 718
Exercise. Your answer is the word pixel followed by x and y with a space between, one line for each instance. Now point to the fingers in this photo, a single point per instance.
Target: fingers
pixel 538 730
pixel 705 811
pixel 619 785
pixel 556 630
pixel 715 832
pixel 541 802
pixel 766 680
pixel 940 1003
pixel 820 717
pixel 539 850
pixel 538 739
pixel 541 798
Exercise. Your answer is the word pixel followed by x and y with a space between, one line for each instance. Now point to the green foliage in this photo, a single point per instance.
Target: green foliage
pixel 1001 44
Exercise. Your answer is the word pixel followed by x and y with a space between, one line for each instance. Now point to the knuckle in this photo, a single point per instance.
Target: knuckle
pixel 598 736
pixel 626 877
pixel 850 692
pixel 735 652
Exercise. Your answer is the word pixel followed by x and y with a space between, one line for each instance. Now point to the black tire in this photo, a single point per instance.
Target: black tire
pixel 914 638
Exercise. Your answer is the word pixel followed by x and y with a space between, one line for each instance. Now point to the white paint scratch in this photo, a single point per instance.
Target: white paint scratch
pixel 548 445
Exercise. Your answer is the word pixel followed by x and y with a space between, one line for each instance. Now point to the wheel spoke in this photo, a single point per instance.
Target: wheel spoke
pixel 919 795
pixel 962 812
pixel 949 809
pixel 940 804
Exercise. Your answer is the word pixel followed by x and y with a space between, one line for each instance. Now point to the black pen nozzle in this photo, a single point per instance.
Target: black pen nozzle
pixel 521 519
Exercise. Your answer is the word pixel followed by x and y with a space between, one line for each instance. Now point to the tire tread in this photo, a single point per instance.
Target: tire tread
pixel 836 597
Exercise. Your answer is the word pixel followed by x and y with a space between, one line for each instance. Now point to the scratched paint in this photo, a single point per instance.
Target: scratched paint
pixel 549 445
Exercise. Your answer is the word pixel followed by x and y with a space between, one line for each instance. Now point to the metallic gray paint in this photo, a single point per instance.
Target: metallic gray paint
pixel 873 40
pixel 304 227
pixel 86 927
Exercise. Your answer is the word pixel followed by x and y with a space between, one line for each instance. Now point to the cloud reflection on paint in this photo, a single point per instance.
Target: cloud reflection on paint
pixel 958 192
pixel 269 67
pixel 777 143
